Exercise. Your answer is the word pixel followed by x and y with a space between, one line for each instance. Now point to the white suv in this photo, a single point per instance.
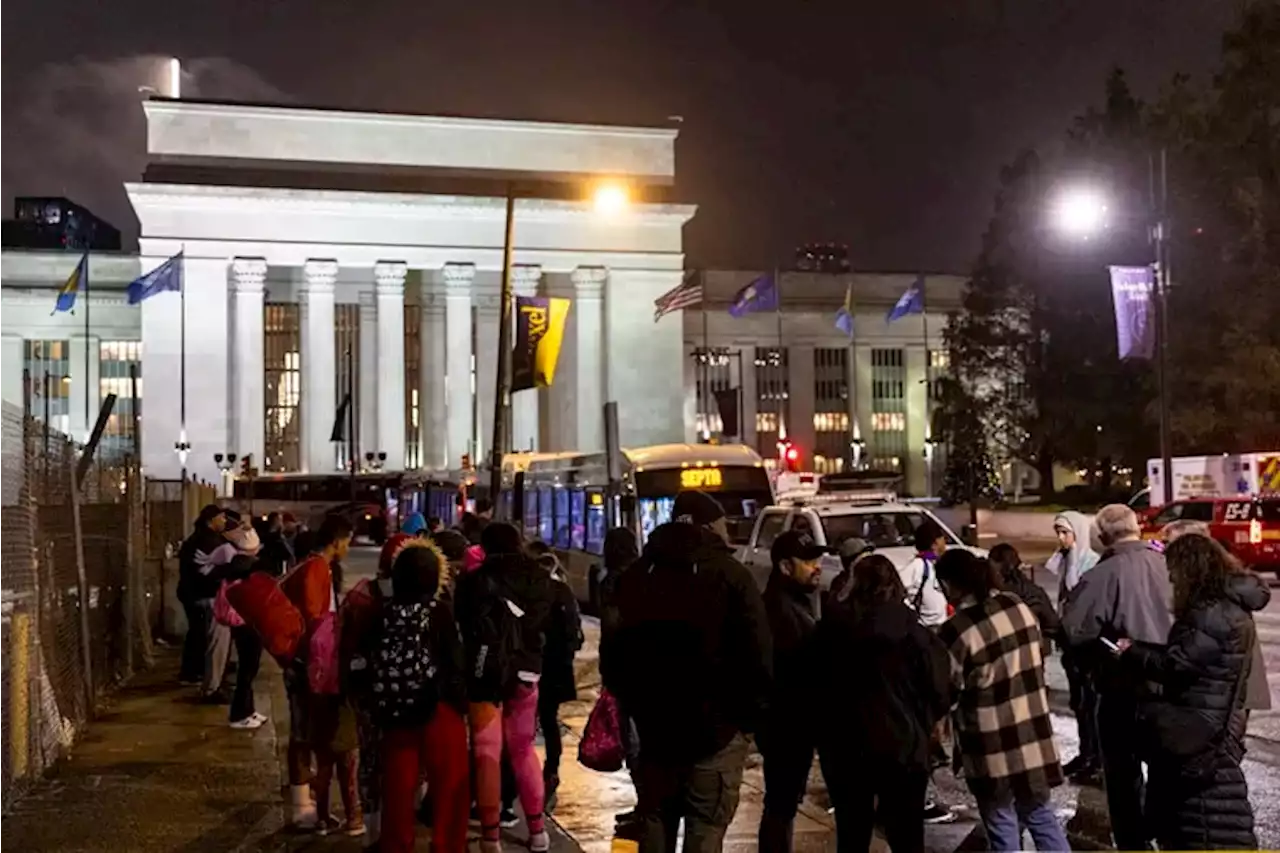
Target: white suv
pixel 888 525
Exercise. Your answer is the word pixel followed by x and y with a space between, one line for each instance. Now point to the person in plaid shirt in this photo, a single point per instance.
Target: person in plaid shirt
pixel 1003 729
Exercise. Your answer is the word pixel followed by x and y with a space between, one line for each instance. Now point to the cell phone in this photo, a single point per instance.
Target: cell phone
pixel 1110 645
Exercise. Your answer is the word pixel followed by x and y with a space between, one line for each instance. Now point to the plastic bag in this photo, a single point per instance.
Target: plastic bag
pixel 602 748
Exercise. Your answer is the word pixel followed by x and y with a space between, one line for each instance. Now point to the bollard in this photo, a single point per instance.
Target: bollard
pixel 19 693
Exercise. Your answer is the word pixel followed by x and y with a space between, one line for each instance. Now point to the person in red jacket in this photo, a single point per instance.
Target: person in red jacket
pixel 310 588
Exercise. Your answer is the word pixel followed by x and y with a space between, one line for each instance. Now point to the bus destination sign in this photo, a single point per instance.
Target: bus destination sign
pixel 701 478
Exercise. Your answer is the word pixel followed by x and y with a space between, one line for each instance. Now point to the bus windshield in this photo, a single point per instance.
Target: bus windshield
pixel 740 489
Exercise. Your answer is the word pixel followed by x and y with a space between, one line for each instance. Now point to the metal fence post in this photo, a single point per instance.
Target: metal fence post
pixel 82 583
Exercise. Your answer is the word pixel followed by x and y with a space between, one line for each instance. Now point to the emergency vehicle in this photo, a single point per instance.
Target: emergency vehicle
pixel 1247 526
pixel 1224 475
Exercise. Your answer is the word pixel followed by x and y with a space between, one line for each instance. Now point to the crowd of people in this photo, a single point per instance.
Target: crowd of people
pixel 423 690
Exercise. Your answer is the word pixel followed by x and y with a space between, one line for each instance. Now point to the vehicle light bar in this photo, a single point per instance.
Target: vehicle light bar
pixel 860 497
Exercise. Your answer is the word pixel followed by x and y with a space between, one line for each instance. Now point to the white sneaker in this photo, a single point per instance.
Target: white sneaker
pixel 249 722
pixel 261 718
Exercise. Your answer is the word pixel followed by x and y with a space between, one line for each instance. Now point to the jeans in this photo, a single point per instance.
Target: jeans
pixel 788 756
pixel 1004 823
pixel 857 784
pixel 705 794
pixel 249 651
pixel 1084 703
pixel 300 753
pixel 217 649
pixel 510 725
pixel 193 644
pixel 439 748
pixel 549 722
pixel 1122 770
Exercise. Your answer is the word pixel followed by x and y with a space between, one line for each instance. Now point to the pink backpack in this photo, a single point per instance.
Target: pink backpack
pixel 222 609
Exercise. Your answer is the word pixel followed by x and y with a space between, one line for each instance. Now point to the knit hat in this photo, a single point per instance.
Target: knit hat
pixel 697 508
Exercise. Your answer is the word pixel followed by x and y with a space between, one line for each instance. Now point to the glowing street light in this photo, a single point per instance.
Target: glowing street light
pixel 1080 212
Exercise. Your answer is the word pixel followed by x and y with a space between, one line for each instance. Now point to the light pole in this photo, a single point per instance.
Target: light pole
pixel 225 462
pixel 609 199
pixel 1082 212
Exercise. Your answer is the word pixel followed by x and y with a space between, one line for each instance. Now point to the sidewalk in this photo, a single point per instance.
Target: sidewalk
pixel 159 772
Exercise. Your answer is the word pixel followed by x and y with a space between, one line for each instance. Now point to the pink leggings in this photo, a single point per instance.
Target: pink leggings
pixel 510 725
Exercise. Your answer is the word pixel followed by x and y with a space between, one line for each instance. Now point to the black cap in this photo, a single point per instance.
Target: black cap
pixel 696 508
pixel 208 514
pixel 796 545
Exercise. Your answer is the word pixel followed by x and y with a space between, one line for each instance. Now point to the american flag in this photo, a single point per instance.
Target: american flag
pixel 688 292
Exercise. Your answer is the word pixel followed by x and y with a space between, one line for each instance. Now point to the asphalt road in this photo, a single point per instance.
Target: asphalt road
pixel 1083 810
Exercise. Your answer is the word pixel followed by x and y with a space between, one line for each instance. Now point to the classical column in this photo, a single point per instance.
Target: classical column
pixel 434 406
pixel 319 366
pixel 916 362
pixel 589 363
pixel 801 402
pixel 644 372
pixel 78 423
pixel 458 279
pixel 486 350
pixel 367 381
pixel 749 395
pixel 14 363
pixel 248 276
pixel 389 282
pixel 524 405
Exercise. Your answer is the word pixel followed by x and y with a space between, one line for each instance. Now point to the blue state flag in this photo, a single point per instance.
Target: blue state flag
pixel 844 316
pixel 167 276
pixel 759 295
pixel 79 278
pixel 910 302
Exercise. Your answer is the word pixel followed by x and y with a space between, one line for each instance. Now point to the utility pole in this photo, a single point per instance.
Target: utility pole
pixel 502 391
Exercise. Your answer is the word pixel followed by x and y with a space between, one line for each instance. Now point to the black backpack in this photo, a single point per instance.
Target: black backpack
pixel 496 641
pixel 404 687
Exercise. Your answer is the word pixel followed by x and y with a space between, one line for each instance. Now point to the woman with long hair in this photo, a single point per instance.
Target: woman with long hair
pixel 889 679
pixel 1194 731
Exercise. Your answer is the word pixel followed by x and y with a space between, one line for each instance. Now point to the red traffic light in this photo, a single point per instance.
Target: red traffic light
pixel 792 454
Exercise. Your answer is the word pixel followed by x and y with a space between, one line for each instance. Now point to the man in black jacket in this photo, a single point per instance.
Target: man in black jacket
pixel 787 739
pixel 690 664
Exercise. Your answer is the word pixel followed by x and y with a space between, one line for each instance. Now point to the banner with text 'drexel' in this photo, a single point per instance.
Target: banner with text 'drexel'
pixel 1131 290
pixel 539 335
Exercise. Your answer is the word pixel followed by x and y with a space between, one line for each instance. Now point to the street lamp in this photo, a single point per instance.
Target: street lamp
pixel 375 461
pixel 1082 212
pixel 609 198
pixel 225 462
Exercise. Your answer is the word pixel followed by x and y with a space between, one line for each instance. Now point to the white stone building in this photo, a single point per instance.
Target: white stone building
pixel 796 367
pixel 317 238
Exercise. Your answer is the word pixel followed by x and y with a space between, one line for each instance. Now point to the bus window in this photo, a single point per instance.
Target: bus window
pixel 546 520
pixel 596 522
pixel 562 519
pixel 530 515
pixel 577 518
pixel 653 512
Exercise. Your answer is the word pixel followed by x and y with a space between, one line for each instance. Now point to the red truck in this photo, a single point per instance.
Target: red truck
pixel 1247 526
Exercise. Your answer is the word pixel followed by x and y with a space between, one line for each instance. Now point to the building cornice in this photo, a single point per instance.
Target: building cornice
pixel 147 198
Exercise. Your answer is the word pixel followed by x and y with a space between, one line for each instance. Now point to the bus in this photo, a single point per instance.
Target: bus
pixel 565 499
pixel 375 502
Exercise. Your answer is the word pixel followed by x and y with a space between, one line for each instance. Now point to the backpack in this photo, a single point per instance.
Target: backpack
pixel 496 641
pixel 404 689
pixel 918 598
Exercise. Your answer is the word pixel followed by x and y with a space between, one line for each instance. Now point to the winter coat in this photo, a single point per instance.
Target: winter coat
pixel 563 639
pixel 1070 564
pixel 792 626
pixel 691 656
pixel 1200 792
pixel 1126 595
pixel 1037 599
pixel 193 585
pixel 890 679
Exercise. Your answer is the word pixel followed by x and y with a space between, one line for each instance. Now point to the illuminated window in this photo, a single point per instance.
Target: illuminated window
pixel 823 465
pixel 772 393
pixel 713 370
pixel 886 463
pixel 412 386
pixel 282 375
pixel 939 359
pixel 831 403
pixel 114 361
pixel 836 422
pixel 889 421
pixel 48 372
pixel 766 422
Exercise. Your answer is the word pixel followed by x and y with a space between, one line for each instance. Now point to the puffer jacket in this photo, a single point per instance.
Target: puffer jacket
pixel 1202 671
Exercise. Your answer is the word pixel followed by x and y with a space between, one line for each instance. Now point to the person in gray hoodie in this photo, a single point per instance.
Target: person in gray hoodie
pixel 1126 596
pixel 1069 563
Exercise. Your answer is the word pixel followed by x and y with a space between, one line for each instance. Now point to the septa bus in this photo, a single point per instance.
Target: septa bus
pixel 565 499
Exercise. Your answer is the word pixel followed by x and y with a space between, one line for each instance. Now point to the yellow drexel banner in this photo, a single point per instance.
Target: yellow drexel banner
pixel 539 335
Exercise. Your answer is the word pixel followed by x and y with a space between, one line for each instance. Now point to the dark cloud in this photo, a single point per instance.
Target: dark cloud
pixel 77 128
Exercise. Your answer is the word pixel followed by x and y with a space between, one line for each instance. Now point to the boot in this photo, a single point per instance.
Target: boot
pixel 303 807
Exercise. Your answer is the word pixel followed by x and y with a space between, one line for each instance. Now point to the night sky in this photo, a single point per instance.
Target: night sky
pixel 877 124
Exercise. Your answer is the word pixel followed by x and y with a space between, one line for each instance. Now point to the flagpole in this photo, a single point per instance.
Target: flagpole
pixel 928 387
pixel 705 403
pixel 88 427
pixel 782 408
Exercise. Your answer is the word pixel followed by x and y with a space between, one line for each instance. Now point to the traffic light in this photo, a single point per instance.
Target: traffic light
pixel 466 462
pixel 246 465
pixel 788 456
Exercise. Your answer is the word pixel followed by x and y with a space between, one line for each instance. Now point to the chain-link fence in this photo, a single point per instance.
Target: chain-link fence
pixel 77 618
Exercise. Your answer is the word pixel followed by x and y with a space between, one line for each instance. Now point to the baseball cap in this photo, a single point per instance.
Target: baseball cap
pixel 696 508
pixel 796 545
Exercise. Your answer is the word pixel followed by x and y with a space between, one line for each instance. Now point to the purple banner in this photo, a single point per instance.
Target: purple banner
pixel 1131 289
